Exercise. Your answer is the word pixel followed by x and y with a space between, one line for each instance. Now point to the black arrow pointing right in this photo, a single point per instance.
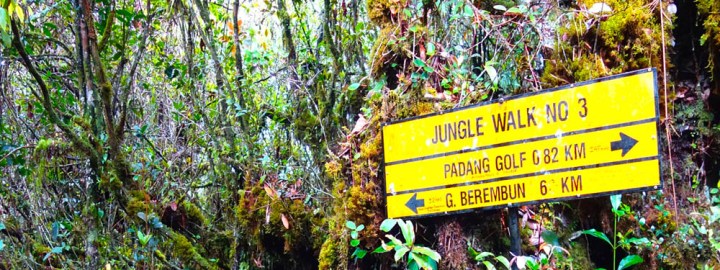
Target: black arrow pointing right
pixel 625 143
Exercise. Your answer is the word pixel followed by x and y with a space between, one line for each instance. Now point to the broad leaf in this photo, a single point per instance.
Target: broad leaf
pixel 598 234
pixel 430 49
pixel 427 252
pixel 500 7
pixel 395 241
pixel 482 255
pixel 400 253
pixel 629 261
pixel 354 242
pixel 504 261
pixel 491 72
pixel 422 261
pixel 56 250
pixel 354 86
pixel 3 19
pixel 388 224
pixel 550 238
pixel 408 232
pixel 359 253
pixel 488 265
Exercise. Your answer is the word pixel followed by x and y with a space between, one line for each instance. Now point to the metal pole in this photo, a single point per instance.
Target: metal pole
pixel 515 247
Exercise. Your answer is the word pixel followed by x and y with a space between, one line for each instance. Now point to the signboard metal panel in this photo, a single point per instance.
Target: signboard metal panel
pixel 602 129
pixel 567 184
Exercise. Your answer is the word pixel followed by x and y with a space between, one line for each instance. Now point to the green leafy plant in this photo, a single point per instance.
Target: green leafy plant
pixel 619 210
pixel 418 257
pixel 359 252
pixel 488 258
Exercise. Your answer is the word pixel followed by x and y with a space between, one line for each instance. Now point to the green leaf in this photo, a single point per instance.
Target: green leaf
pixel 491 72
pixel 354 242
pixel 2 226
pixel 359 26
pixel 360 228
pixel 472 251
pixel 489 265
pixel 516 10
pixel 408 232
pixel 388 224
pixel 427 252
pixel 407 12
pixel 56 250
pixel 354 234
pixel 616 200
pixel 384 247
pixel 359 253
pixel 598 234
pixel 351 225
pixel 2 245
pixel 504 261
pixel 380 249
pixel 550 237
pixel 468 11
pixel 4 19
pixel 354 86
pixel 395 241
pixel 430 49
pixel 482 255
pixel 400 253
pixel 418 62
pixel 421 260
pixel 629 261
pixel 500 7
pixel 639 241
pixel 13 8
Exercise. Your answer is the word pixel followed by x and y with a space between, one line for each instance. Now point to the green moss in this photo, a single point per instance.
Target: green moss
pixel 628 39
pixel 184 250
pixel 710 11
pixel 195 217
pixel 334 253
pixel 379 11
pixel 39 250
pixel 138 202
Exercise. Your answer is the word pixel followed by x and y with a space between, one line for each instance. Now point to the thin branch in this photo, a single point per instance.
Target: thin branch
pixel 84 145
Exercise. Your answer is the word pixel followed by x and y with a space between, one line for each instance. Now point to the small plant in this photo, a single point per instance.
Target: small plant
pixel 418 257
pixel 488 258
pixel 619 210
pixel 359 252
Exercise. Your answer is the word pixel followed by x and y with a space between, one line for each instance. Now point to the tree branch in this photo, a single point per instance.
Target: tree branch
pixel 84 145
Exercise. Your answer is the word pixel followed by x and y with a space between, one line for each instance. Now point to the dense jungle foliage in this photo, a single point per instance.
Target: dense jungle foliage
pixel 206 134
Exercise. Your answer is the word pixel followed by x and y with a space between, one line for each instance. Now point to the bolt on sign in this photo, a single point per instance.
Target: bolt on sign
pixel 587 139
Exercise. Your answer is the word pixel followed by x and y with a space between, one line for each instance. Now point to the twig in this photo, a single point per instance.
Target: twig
pixel 667 115
pixel 15 150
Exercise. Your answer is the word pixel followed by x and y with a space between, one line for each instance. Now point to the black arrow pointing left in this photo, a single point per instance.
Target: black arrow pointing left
pixel 414 203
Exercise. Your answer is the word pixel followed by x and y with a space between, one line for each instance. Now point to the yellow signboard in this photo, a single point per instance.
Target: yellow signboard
pixel 526 149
